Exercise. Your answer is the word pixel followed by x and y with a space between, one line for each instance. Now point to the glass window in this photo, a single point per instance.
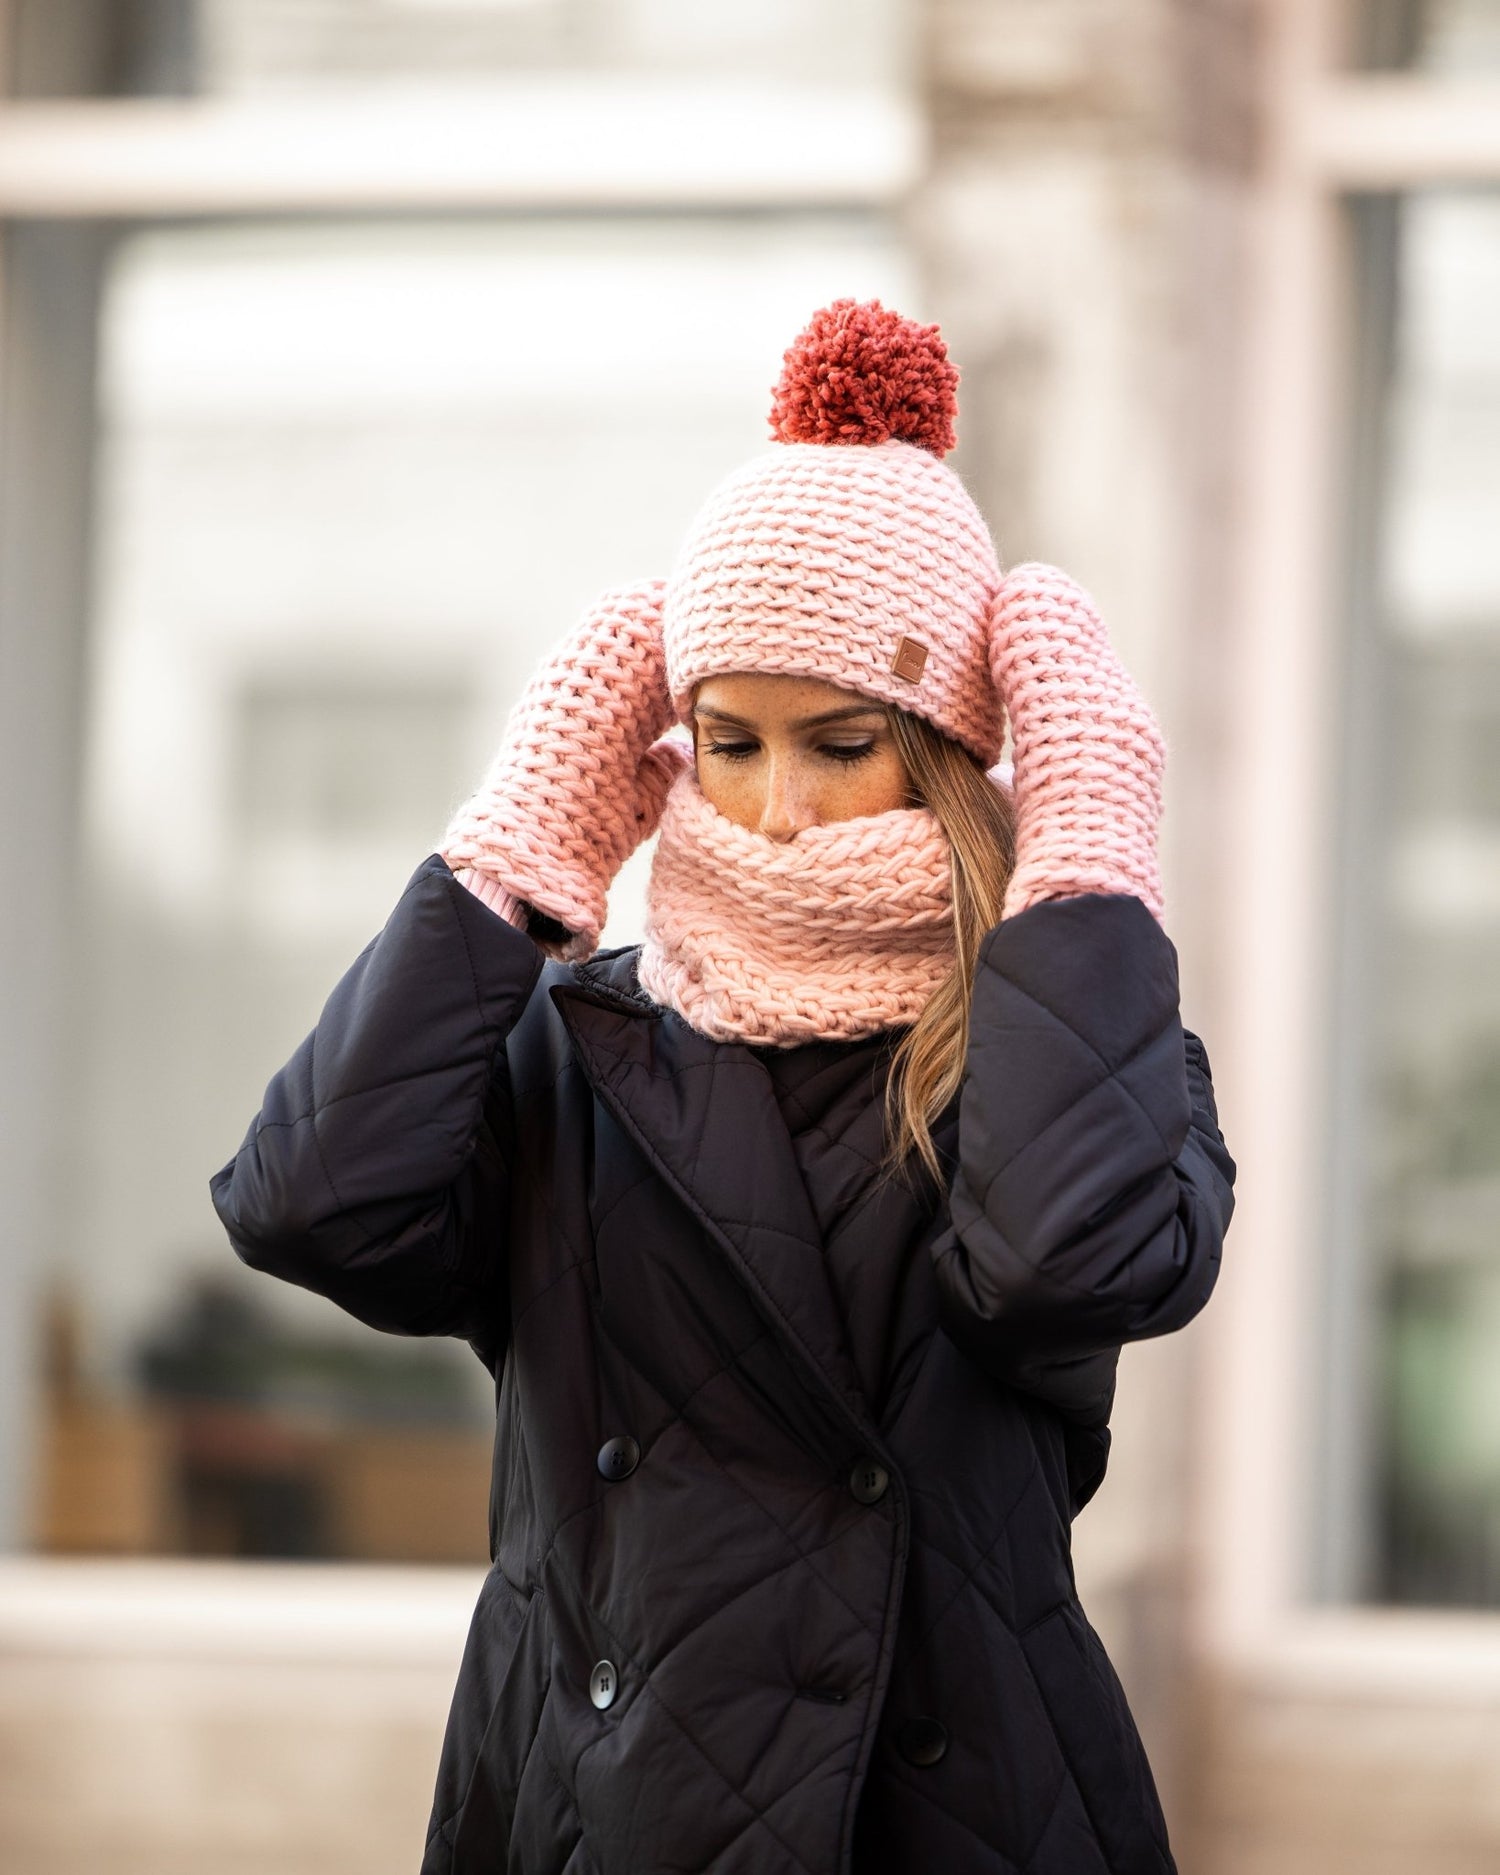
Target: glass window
pixel 1420 1043
pixel 351 480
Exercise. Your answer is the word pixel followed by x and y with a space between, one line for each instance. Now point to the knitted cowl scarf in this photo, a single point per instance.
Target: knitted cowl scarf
pixel 842 930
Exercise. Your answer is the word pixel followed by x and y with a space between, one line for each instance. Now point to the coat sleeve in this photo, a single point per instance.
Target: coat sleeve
pixel 375 1171
pixel 1093 1188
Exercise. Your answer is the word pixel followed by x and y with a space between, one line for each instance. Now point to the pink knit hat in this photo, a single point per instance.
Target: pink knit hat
pixel 849 551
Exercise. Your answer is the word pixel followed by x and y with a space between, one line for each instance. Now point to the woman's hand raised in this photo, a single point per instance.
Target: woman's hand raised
pixel 580 777
pixel 1088 753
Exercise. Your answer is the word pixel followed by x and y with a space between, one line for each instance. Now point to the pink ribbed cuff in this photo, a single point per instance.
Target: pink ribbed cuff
pixel 490 891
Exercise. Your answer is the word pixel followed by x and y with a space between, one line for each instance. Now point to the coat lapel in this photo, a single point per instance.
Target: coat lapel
pixel 705 1115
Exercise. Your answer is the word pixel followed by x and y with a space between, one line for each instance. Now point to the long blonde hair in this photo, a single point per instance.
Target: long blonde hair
pixel 979 822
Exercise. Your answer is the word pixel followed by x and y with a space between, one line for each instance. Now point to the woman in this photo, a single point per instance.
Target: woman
pixel 802 1239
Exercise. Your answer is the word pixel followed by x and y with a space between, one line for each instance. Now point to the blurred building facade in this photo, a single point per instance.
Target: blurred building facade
pixel 349 346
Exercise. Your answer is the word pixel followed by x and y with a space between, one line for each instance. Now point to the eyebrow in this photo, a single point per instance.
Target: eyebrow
pixel 802 722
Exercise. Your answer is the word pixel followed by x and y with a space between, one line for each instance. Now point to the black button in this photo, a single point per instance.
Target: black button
pixel 618 1458
pixel 604 1683
pixel 922 1741
pixel 868 1480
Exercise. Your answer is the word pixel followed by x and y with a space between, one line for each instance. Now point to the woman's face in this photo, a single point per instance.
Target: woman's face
pixel 777 754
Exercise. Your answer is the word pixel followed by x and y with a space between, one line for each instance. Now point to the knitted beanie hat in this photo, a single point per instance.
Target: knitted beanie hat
pixel 848 551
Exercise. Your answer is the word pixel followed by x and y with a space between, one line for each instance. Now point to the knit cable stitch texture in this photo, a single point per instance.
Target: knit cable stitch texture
pixel 842 930
pixel 580 777
pixel 1088 754
pixel 816 561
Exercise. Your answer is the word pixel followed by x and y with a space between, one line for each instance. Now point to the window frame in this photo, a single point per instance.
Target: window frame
pixel 1285 1344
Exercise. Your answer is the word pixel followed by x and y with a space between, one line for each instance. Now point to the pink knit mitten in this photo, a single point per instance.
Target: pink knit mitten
pixel 579 780
pixel 1088 753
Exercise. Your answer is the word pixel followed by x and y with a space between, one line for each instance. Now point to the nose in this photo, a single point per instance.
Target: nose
pixel 786 809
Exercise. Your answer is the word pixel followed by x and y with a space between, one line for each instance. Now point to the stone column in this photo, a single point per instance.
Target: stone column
pixel 1081 234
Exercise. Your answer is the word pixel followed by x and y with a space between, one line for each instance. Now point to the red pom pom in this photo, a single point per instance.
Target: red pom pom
pixel 860 374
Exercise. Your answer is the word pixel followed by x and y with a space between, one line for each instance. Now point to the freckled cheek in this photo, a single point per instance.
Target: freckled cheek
pixel 837 796
pixel 871 788
pixel 734 791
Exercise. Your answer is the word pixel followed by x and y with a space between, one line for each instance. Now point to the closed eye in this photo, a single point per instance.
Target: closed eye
pixel 731 751
pixel 847 751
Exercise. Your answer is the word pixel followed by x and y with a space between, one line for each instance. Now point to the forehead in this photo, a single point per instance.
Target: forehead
pixel 770 696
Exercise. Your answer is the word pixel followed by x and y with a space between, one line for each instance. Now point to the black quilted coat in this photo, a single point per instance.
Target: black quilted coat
pixel 780 1518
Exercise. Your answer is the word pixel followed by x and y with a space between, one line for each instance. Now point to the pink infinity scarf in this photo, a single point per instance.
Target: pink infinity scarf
pixel 842 930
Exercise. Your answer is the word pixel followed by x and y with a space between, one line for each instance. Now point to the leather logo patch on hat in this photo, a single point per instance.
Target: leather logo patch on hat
pixel 910 660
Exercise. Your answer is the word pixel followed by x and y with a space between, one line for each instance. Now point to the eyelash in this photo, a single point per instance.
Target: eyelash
pixel 847 754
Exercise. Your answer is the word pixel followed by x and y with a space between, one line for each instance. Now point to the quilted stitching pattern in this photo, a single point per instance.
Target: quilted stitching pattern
pixel 451 1152
pixel 1081 1215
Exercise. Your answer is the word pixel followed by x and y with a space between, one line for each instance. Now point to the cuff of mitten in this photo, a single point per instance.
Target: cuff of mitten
pixel 490 891
pixel 1035 884
pixel 541 927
